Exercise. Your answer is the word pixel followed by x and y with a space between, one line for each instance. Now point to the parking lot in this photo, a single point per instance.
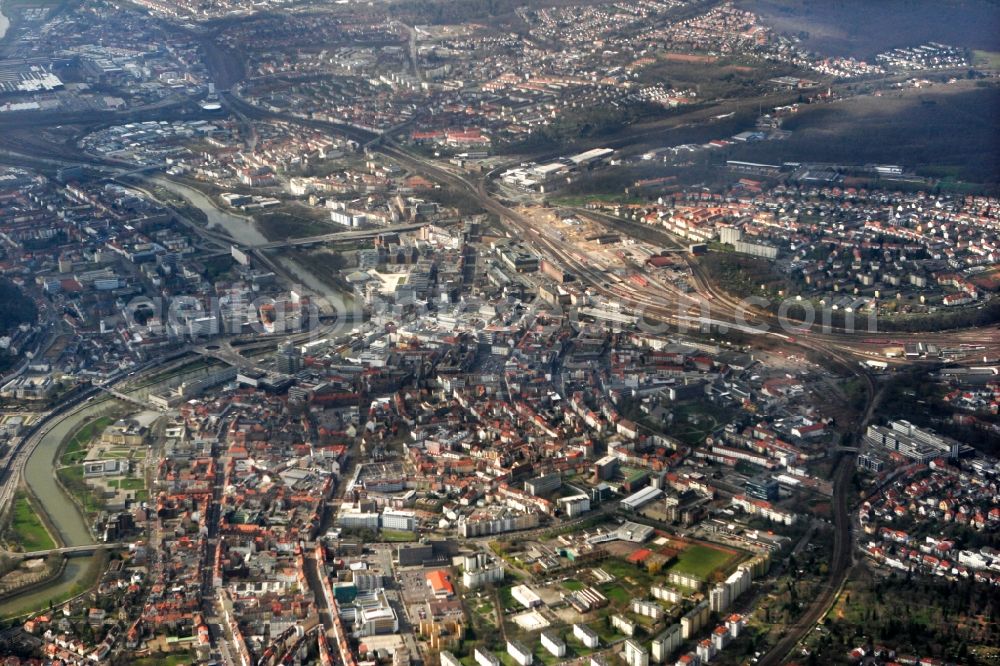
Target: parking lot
pixel 413 584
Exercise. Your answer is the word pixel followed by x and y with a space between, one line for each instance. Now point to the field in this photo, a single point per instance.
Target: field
pixel 862 28
pixel 27 528
pixel 716 78
pixel 325 265
pixel 946 133
pixel 581 200
pixel 282 225
pixel 701 561
pixel 987 59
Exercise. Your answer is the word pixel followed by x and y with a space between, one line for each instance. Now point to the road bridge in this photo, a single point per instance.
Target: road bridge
pixel 138 170
pixel 68 550
pixel 144 404
pixel 340 235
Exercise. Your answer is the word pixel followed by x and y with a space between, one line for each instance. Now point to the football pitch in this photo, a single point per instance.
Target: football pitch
pixel 701 561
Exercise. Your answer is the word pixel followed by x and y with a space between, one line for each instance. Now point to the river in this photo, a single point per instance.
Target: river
pixel 244 231
pixel 63 513
pixel 241 229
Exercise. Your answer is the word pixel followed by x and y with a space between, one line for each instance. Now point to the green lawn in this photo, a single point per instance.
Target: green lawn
pixel 607 634
pixel 621 569
pixel 127 484
pixel 506 598
pixel 167 660
pixel 543 656
pixel 116 454
pixel 574 646
pixel 505 658
pixel 700 561
pixel 28 528
pixel 616 594
pixel 76 449
pixel 72 478
pixel 397 535
pixel 573 585
pixel 133 484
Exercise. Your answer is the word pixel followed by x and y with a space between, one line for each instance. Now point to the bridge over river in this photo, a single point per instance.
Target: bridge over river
pixel 85 549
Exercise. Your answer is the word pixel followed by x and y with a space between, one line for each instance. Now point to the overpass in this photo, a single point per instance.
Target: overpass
pixel 138 170
pixel 144 404
pixel 339 235
pixel 229 357
pixel 69 550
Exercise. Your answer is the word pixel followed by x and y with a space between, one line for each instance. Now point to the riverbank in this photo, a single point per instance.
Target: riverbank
pixel 82 573
pixel 29 527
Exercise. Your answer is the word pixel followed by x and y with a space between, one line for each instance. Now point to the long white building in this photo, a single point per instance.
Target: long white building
pixel 520 652
pixel 666 643
pixel 586 635
pixel 486 658
pixel 553 643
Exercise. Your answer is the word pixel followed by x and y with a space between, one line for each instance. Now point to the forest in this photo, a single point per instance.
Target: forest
pixel 15 307
pixel 910 614
pixel 916 396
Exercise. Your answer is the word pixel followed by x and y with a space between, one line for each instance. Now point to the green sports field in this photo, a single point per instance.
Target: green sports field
pixel 701 561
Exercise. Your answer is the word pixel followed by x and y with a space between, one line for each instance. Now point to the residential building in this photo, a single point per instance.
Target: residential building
pixel 635 654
